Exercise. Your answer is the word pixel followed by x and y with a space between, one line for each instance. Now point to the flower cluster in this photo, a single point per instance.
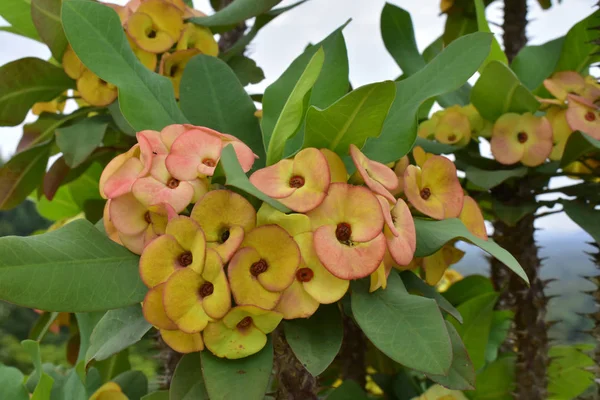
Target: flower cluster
pixel 159 37
pixel 273 265
pixel 526 138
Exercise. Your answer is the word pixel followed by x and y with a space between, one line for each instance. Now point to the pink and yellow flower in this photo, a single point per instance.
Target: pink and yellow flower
pixel 584 116
pixel 377 176
pixel 300 183
pixel 472 217
pixel 561 131
pixel 155 26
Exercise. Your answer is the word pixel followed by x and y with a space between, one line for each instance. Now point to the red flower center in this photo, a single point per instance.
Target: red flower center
pixel 522 137
pixel 343 232
pixel 305 274
pixel 224 236
pixel 172 183
pixel 147 217
pixel 244 323
pixel 258 267
pixel 452 137
pixel 590 116
pixel 206 289
pixel 296 181
pixel 209 162
pixel 425 193
pixel 185 259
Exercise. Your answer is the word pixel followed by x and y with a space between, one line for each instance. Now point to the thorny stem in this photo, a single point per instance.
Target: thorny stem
pixel 294 381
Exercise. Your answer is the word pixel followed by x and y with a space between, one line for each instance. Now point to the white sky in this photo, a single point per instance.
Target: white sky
pixel 285 38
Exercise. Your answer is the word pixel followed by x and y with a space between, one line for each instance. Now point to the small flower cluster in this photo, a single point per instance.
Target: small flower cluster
pixel 526 138
pixel 274 265
pixel 159 37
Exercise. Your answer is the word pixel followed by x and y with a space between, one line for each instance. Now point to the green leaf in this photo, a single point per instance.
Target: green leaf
pixel 41 326
pixel 237 178
pixel 490 179
pixel 475 330
pixel 73 387
pixel 331 84
pixel 212 96
pixel 22 174
pixel 292 112
pixel 496 381
pixel 33 349
pixel 461 375
pixel 533 64
pixel 133 383
pixel 113 366
pixel 467 288
pixel 86 322
pixel 432 235
pixel 316 340
pixel 46 18
pixel 94 30
pixel 498 91
pixel 351 120
pixel 580 48
pixel 511 214
pixel 73 269
pixel 160 395
pixel 445 73
pixel 408 329
pixel 435 147
pixel 44 388
pixel 187 383
pixel 496 52
pixel 11 384
pixel 578 145
pixel 79 140
pixel 117 330
pixel 244 379
pixel 585 216
pixel 236 12
pixel 568 373
pixel 119 120
pixel 349 390
pixel 501 322
pixel 246 70
pixel 415 285
pixel 18 14
pixel 25 82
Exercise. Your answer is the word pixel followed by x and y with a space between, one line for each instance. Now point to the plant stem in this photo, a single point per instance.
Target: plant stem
pixel 229 38
pixel 515 23
pixel 294 381
pixel 353 354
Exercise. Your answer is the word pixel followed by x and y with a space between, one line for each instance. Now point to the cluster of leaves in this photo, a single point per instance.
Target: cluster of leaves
pixel 421 338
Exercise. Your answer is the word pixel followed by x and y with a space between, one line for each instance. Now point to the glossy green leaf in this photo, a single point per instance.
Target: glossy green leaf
pixel 18 14
pixel 533 64
pixel 133 383
pixel 580 48
pixel 467 288
pixel 212 96
pixel 113 366
pixel 73 269
pixel 11 384
pixel 188 383
pixel 293 110
pixel 94 30
pixel 316 340
pixel 237 178
pixel 569 374
pixel 331 84
pixel 496 52
pixel 71 387
pixel 585 216
pixel 511 214
pixel 160 395
pixel 461 375
pixel 416 285
pixel 79 140
pixel 409 329
pixel 33 349
pixel 22 174
pixel 236 12
pixel 349 390
pixel 244 379
pixel 25 82
pixel 445 73
pixel 41 326
pixel 488 179
pixel 496 381
pixel 501 323
pixel 246 70
pixel 578 145
pixel 46 18
pixel 431 146
pixel 117 330
pixel 43 389
pixel 119 119
pixel 499 91
pixel 477 321
pixel 432 235
pixel 351 120
pixel 86 322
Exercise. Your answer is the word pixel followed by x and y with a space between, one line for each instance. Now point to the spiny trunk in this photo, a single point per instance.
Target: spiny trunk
pixel 595 317
pixel 515 22
pixel 169 359
pixel 353 354
pixel 294 381
pixel 229 38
